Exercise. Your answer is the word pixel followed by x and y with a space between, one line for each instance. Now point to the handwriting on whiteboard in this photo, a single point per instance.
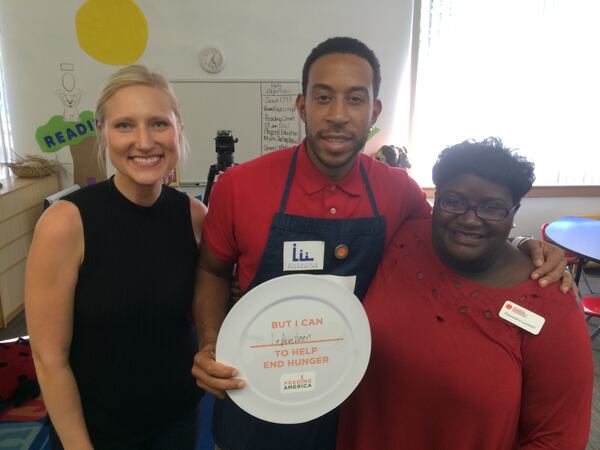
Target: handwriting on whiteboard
pixel 280 121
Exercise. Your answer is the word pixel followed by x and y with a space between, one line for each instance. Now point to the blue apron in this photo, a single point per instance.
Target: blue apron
pixel 363 240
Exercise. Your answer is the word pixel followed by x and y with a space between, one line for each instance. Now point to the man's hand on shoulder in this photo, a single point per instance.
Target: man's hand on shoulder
pixel 550 262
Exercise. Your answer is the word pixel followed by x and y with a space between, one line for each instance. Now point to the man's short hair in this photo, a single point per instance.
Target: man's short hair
pixel 488 159
pixel 343 45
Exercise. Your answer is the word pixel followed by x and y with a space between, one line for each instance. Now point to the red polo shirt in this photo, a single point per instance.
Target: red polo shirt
pixel 246 197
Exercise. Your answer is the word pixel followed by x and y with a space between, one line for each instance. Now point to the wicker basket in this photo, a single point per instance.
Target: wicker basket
pixel 32 166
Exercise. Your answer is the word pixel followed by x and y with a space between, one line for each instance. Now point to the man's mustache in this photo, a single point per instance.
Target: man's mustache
pixel 337 130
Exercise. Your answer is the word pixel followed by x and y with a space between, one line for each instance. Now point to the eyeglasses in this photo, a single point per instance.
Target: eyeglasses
pixel 458 206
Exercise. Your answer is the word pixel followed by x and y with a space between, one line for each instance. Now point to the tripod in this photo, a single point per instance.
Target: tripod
pixel 213 171
pixel 225 146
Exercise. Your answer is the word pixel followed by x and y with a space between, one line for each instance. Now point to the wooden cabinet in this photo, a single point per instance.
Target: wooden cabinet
pixel 21 204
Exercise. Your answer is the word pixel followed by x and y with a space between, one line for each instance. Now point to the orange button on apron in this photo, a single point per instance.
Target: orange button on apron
pixel 341 251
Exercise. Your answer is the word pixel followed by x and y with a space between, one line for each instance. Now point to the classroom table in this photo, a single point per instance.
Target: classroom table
pixel 577 235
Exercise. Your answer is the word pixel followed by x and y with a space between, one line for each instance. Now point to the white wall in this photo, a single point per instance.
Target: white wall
pixel 536 211
pixel 261 39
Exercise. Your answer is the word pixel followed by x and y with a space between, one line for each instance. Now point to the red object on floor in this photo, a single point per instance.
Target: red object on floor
pixel 31 410
pixel 591 308
pixel 16 365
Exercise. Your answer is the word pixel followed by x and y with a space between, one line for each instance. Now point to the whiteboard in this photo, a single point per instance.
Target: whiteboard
pixel 261 115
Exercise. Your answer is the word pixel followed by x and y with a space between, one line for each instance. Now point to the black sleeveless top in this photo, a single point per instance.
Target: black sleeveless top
pixel 133 341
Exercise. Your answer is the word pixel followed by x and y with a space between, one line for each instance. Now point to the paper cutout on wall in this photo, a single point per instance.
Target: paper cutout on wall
pixel 87 169
pixel 372 132
pixel 59 133
pixel 112 31
pixel 69 96
pixel 80 136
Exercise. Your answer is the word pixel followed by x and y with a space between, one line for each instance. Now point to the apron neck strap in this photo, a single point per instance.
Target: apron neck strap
pixel 363 172
pixel 290 177
pixel 288 182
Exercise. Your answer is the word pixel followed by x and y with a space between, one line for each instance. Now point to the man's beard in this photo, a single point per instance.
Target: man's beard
pixel 313 142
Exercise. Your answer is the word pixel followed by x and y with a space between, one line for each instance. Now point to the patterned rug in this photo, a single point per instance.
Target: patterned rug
pixel 26 427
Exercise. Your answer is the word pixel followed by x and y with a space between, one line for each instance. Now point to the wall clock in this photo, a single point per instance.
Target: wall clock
pixel 211 59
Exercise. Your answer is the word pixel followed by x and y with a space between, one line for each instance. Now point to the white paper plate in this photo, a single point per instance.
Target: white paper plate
pixel 324 330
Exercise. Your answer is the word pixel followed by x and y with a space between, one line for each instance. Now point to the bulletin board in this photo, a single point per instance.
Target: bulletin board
pixel 261 115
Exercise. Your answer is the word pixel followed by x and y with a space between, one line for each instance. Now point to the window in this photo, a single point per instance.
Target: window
pixel 6 143
pixel 525 71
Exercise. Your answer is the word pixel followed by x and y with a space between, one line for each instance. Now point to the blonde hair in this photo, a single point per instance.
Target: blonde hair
pixel 136 75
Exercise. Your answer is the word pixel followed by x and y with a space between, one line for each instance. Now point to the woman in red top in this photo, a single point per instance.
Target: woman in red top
pixel 460 359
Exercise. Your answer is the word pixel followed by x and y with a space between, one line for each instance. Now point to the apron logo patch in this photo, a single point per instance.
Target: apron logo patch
pixel 303 255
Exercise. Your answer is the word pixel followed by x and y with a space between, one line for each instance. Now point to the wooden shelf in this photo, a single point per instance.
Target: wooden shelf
pixel 21 204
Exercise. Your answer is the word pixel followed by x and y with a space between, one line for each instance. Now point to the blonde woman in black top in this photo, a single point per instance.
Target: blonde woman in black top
pixel 110 280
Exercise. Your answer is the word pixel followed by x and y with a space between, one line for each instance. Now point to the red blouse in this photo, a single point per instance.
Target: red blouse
pixel 446 372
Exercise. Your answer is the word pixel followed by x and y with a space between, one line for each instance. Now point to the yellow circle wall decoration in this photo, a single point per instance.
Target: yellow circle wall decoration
pixel 112 31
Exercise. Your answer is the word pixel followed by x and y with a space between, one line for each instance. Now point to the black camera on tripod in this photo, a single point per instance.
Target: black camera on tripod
pixel 224 146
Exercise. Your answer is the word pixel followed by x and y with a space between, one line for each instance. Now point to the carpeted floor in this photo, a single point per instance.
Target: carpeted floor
pixel 26 427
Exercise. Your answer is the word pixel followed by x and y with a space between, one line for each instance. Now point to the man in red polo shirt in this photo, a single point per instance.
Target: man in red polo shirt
pixel 324 191
pixel 245 198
